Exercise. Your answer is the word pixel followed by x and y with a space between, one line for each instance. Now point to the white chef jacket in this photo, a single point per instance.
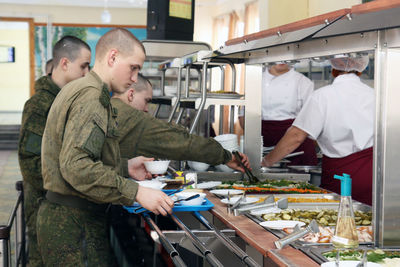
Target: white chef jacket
pixel 340 117
pixel 283 95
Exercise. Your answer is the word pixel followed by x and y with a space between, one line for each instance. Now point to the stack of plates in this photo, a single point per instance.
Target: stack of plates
pixel 170 90
pixel 230 143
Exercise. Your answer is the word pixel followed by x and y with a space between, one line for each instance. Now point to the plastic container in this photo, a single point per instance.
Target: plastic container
pixel 345 232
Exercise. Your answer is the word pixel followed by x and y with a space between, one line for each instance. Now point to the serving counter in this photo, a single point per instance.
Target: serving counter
pixel 259 239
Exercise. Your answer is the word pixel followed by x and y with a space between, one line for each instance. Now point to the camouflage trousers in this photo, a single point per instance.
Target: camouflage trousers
pixel 32 199
pixel 73 237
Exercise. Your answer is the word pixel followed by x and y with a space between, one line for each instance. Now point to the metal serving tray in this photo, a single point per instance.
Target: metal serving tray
pixel 310 206
pixel 303 168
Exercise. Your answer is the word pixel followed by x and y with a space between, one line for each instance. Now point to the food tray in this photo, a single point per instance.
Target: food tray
pixel 318 251
pixel 207 205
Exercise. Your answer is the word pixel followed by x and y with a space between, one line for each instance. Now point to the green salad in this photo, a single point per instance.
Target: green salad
pixel 376 255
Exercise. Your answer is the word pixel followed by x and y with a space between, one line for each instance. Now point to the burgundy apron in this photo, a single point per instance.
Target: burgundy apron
pixel 358 165
pixel 273 131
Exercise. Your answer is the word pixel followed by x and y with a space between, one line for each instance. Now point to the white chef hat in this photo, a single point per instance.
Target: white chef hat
pixel 350 63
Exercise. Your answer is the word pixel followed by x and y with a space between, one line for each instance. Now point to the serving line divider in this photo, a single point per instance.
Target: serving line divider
pixel 173 253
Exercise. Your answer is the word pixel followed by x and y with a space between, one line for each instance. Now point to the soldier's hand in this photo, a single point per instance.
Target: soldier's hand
pixel 235 162
pixel 154 200
pixel 137 170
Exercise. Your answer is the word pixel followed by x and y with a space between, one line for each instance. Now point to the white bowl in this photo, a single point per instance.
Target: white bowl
pixel 198 166
pixel 194 202
pixel 152 184
pixel 157 166
pixel 223 168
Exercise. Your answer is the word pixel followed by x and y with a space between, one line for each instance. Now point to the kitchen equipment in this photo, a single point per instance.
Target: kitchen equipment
pixel 268 203
pixel 312 227
pixel 252 178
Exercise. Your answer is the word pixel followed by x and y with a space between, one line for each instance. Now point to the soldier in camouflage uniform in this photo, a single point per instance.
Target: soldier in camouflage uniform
pixel 72 57
pixel 81 129
pixel 142 134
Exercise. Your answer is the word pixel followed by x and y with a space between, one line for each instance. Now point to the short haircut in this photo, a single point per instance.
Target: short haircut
pixel 142 83
pixel 49 66
pixel 68 47
pixel 119 38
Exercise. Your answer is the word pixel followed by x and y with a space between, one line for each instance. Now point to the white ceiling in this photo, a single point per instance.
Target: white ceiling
pixel 100 3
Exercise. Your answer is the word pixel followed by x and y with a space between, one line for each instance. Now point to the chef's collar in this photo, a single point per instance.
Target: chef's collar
pixel 346 77
pixel 271 76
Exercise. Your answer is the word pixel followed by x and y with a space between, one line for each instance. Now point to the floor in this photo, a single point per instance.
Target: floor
pixel 9 175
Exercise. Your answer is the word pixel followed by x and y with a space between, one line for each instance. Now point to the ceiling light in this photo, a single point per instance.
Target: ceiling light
pixel 105 16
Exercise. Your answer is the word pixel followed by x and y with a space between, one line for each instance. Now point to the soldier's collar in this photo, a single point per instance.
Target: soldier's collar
pixel 105 96
pixel 46 83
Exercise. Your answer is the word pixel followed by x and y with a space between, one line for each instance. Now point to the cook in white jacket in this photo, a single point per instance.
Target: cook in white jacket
pixel 340 117
pixel 284 92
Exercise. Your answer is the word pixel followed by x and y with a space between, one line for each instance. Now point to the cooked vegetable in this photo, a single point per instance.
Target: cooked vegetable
pixel 325 217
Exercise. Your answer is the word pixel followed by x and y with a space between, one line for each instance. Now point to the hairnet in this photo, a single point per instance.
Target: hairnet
pixel 350 63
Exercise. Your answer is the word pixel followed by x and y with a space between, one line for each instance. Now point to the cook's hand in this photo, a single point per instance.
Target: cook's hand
pixel 235 162
pixel 137 170
pixel 265 162
pixel 154 200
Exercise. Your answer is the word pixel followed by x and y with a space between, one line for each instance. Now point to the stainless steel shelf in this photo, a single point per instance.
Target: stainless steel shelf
pixel 195 102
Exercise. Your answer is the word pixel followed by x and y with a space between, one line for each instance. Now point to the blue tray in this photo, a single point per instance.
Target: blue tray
pixel 207 205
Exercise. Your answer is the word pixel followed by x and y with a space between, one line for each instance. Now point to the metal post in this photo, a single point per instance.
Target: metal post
pixel 20 241
pixel 178 96
pixel 5 245
pixel 187 81
pixel 203 97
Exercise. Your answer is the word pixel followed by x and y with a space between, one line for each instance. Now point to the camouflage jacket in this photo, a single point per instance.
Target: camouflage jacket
pixel 34 119
pixel 80 128
pixel 141 134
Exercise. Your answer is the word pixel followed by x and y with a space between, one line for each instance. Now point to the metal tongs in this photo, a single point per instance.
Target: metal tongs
pixel 297 233
pixel 252 178
pixel 268 203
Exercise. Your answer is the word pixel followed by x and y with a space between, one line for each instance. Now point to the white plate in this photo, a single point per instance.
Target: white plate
pixel 249 200
pixel 208 185
pixel 224 192
pixel 279 225
pixel 348 264
pixel 265 211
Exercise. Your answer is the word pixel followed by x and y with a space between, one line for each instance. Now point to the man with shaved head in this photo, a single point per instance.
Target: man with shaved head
pixel 71 61
pixel 142 134
pixel 81 131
